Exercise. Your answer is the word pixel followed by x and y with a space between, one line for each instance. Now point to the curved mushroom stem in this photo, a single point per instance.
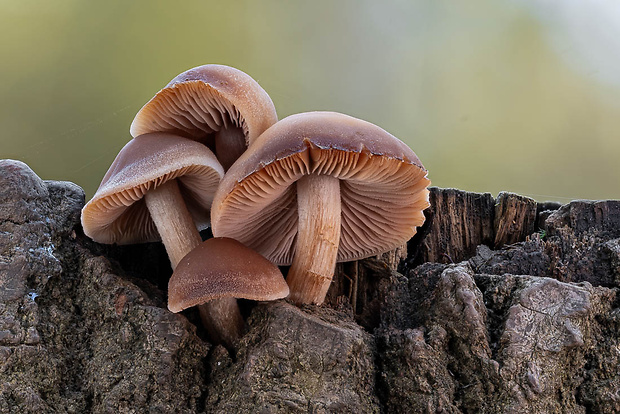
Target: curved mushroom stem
pixel 318 237
pixel 180 236
pixel 229 145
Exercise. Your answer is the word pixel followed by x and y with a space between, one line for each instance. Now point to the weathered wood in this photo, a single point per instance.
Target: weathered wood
pixel 457 222
pixel 507 331
pixel 515 218
pixel 543 211
pixel 583 242
pixel 585 216
pixel 394 258
pixel 355 283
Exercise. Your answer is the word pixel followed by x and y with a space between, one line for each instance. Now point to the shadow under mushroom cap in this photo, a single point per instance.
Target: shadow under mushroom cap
pixel 383 186
pixel 117 212
pixel 205 99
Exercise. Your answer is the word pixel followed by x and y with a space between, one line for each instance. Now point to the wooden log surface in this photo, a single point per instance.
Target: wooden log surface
pixel 531 326
pixel 515 218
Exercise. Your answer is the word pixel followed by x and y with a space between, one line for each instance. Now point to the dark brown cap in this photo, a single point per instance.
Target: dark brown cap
pixel 383 186
pixel 204 100
pixel 223 267
pixel 117 212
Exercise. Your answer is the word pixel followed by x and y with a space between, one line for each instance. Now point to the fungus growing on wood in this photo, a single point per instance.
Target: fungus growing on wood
pixel 160 186
pixel 221 269
pixel 317 188
pixel 219 106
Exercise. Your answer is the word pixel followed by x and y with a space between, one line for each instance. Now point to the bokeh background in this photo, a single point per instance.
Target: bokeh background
pixel 493 95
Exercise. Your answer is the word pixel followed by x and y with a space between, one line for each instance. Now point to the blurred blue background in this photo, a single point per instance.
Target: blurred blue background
pixel 492 95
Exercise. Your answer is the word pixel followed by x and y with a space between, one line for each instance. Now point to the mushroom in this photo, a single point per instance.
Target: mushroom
pixel 160 186
pixel 219 106
pixel 317 188
pixel 223 268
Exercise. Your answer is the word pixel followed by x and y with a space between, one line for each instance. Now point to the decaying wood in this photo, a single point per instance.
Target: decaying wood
pixel 457 222
pixel 394 258
pixel 515 218
pixel 530 327
pixel 355 282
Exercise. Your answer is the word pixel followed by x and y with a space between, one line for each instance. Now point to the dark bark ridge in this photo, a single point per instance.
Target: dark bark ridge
pixel 500 305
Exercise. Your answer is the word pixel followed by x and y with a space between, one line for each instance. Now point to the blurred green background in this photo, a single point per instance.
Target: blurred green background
pixel 492 95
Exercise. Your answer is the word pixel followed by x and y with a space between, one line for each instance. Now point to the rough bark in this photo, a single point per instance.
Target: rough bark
pixel 462 324
pixel 77 335
pixel 297 361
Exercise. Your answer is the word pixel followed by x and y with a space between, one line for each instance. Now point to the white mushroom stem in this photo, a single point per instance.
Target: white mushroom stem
pixel 221 317
pixel 229 145
pixel 318 237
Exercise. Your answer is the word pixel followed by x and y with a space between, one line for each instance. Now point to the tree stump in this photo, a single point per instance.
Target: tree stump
pixel 494 306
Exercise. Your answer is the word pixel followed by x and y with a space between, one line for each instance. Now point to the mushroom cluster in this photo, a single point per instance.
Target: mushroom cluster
pixel 308 191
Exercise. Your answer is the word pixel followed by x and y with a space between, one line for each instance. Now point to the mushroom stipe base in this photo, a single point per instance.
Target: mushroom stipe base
pixel 222 320
pixel 221 317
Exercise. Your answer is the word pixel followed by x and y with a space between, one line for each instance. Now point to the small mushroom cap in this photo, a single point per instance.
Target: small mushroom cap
pixel 383 186
pixel 223 267
pixel 117 212
pixel 205 99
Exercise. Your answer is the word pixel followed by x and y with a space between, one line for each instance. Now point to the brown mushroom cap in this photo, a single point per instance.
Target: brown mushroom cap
pixel 223 267
pixel 206 99
pixel 382 183
pixel 117 213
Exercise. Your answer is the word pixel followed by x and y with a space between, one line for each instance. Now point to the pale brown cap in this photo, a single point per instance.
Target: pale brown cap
pixel 205 99
pixel 118 214
pixel 383 186
pixel 223 267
